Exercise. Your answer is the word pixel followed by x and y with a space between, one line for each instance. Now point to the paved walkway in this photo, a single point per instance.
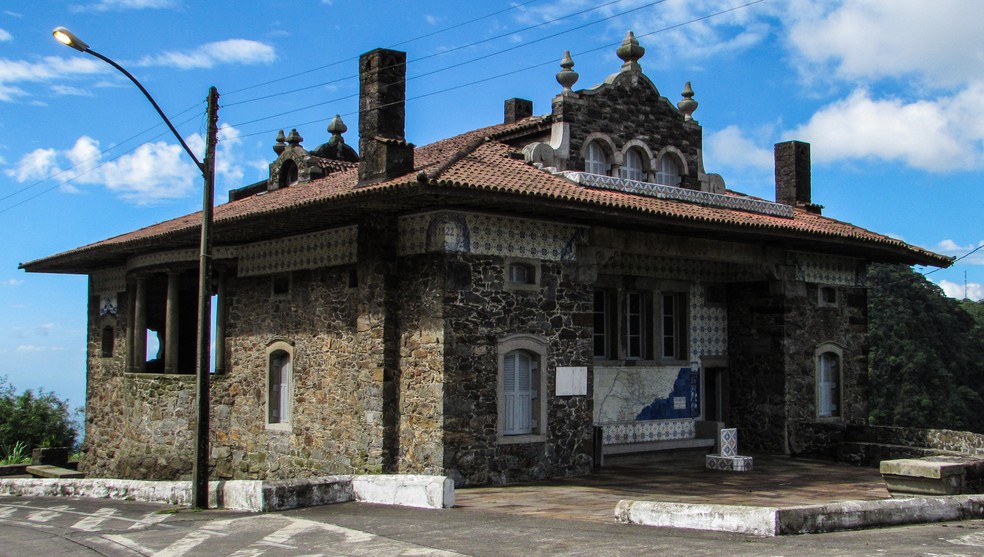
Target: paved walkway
pixel 775 481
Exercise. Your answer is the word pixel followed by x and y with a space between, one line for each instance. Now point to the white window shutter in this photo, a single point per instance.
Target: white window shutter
pixel 517 393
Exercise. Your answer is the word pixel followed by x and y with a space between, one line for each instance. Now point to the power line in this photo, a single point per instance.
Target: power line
pixel 332 64
pixel 433 93
pixel 477 81
pixel 457 65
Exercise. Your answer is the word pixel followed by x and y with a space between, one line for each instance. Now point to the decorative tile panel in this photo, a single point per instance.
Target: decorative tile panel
pixel 829 269
pixel 708 326
pixel 728 463
pixel 482 234
pixel 309 251
pixel 107 282
pixel 679 269
pixel 177 256
pixel 675 193
pixel 729 441
pixel 647 431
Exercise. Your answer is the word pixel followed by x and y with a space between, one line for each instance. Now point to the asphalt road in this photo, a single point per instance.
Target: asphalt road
pixel 49 527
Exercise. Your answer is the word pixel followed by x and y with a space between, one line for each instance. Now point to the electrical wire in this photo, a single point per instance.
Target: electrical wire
pixel 408 41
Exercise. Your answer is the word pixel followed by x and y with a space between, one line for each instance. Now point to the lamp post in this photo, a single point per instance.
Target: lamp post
pixel 199 485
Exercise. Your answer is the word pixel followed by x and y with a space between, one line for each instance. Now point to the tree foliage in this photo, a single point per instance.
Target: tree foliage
pixel 926 361
pixel 36 420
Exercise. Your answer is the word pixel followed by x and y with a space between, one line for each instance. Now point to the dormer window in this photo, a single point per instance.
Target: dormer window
pixel 668 173
pixel 632 168
pixel 596 159
pixel 288 174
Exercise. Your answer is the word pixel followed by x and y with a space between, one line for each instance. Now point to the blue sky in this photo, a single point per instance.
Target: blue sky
pixel 889 94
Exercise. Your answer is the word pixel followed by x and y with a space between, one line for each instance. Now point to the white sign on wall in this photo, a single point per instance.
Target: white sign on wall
pixel 572 381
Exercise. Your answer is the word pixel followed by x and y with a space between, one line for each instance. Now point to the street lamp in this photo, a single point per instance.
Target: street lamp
pixel 199 484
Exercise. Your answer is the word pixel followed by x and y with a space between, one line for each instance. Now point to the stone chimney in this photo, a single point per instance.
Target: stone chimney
pixel 517 109
pixel 793 173
pixel 383 150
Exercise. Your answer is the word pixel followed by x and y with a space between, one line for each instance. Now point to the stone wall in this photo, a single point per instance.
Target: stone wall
pixel 774 329
pixel 138 426
pixel 480 311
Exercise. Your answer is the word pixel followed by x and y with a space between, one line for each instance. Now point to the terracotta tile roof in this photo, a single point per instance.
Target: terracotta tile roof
pixel 479 161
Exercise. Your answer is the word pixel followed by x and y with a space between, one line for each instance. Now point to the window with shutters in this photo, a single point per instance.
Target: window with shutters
pixel 518 392
pixel 596 159
pixel 632 168
pixel 640 324
pixel 829 381
pixel 280 383
pixel 521 386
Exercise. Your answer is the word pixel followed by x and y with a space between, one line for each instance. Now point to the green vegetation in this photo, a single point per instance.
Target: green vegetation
pixel 14 454
pixel 926 362
pixel 29 420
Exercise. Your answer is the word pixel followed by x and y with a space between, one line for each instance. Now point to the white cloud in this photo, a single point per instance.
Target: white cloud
pixel 722 35
pixel 873 39
pixel 731 147
pixel 69 90
pixel 232 51
pixel 47 69
pixel 930 135
pixel 11 283
pixel 33 348
pixel 150 174
pixel 974 290
pixel 432 20
pixel 5 35
pixel 121 5
pixel 949 247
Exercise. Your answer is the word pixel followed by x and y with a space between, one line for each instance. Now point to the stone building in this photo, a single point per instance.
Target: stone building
pixel 477 306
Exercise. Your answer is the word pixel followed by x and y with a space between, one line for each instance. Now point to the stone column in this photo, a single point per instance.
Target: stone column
pixel 139 354
pixel 171 322
pixel 131 319
pixel 220 324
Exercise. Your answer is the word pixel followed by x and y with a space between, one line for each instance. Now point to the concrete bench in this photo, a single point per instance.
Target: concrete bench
pixel 933 475
pixel 649 436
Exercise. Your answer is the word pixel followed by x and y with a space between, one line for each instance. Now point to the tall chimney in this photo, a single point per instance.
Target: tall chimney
pixel 793 173
pixel 383 150
pixel 516 109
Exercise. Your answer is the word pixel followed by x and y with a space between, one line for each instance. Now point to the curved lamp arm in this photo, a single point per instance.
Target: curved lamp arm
pixel 68 38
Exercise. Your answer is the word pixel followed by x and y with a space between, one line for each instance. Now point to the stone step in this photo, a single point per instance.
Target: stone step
pixel 862 453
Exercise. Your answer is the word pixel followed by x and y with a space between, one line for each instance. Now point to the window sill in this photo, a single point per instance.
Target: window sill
pixel 520 439
pixel 279 428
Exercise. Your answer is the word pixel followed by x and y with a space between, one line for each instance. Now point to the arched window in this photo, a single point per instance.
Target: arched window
pixel 668 173
pixel 596 159
pixel 632 169
pixel 279 381
pixel 288 174
pixel 829 384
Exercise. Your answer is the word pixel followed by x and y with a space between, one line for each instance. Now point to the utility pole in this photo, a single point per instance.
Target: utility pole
pixel 199 484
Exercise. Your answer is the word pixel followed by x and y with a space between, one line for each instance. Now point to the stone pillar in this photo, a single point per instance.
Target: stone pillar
pixel 131 319
pixel 171 325
pixel 515 110
pixel 220 324
pixel 139 353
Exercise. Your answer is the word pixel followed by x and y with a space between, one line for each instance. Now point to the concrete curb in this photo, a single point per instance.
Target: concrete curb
pixel 433 492
pixel 811 519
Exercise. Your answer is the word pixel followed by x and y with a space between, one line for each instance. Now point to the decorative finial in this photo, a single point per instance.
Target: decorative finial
pixel 687 104
pixel 336 128
pixel 294 139
pixel 630 52
pixel 567 77
pixel 280 146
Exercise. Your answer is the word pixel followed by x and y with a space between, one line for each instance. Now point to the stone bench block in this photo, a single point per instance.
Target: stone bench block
pixel 49 471
pixel 934 475
pixel 729 463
